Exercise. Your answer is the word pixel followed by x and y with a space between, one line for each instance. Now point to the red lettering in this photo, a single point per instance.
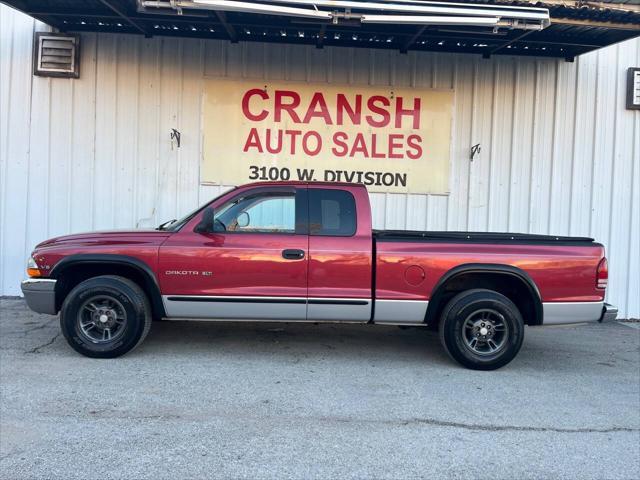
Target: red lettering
pixel 382 112
pixel 374 144
pixel 318 101
pixel 253 141
pixel 414 142
pixel 359 146
pixel 278 147
pixel 393 145
pixel 293 134
pixel 305 143
pixel 343 106
pixel 281 105
pixel 245 104
pixel 339 139
pixel 414 112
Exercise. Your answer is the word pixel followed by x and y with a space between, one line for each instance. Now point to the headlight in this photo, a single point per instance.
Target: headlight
pixel 32 268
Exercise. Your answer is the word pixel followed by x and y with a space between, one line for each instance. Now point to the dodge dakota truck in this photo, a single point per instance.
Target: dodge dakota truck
pixel 306 252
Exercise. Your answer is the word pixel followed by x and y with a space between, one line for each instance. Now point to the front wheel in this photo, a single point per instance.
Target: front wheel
pixel 481 329
pixel 105 317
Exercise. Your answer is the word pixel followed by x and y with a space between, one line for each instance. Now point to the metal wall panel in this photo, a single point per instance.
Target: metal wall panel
pixel 560 154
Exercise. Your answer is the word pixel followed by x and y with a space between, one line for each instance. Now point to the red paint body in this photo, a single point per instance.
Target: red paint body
pixel 251 264
pixel 561 273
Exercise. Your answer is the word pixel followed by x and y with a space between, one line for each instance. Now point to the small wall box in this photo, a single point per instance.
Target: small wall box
pixel 633 89
pixel 56 55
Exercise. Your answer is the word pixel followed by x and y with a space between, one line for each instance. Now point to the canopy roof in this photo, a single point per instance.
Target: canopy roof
pixel 552 28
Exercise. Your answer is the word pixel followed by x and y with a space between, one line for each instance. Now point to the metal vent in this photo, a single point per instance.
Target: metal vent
pixel 56 55
pixel 633 88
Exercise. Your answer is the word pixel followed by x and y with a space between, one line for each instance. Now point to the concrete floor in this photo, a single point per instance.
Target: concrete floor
pixel 316 401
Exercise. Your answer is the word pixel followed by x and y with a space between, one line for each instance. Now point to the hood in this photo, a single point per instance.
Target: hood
pixel 107 238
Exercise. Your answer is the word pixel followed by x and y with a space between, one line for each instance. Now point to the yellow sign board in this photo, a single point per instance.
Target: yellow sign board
pixel 390 139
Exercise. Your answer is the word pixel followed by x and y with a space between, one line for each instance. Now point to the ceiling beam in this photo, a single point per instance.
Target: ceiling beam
pixel 412 40
pixel 618 6
pixel 447 48
pixel 614 5
pixel 230 29
pixel 72 13
pixel 593 23
pixel 124 16
pixel 191 20
pixel 507 43
pixel 321 35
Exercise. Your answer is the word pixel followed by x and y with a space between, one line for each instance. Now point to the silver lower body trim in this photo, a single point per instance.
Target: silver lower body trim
pixel 559 313
pixel 267 308
pixel 293 309
pixel 232 308
pixel 253 320
pixel 400 312
pixel 40 295
pixel 344 309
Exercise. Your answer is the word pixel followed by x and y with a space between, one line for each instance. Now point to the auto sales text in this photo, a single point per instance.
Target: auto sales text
pixel 368 113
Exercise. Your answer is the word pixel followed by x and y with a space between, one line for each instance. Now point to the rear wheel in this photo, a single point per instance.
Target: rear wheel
pixel 105 317
pixel 481 329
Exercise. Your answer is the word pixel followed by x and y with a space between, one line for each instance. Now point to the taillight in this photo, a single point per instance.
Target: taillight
pixel 602 274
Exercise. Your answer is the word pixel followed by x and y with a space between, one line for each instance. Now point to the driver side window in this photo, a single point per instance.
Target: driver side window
pixel 264 212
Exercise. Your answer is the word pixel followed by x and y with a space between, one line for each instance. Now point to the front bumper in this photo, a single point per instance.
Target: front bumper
pixel 40 294
pixel 609 313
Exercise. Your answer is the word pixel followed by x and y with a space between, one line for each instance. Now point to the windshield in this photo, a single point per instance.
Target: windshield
pixel 175 225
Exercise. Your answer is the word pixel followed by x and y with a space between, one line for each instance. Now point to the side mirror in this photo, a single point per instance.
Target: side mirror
pixel 206 224
pixel 243 220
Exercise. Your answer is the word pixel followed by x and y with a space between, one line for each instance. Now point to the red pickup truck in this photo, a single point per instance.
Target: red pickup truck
pixel 306 252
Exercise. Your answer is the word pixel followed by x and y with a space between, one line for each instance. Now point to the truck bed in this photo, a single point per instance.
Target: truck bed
pixel 478 237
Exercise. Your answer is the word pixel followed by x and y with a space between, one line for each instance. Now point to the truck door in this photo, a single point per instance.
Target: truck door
pixel 253 265
pixel 340 255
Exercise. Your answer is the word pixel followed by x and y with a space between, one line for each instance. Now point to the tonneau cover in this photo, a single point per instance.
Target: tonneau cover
pixel 477 237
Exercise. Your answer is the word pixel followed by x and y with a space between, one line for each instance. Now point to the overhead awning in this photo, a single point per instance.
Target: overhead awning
pixel 551 28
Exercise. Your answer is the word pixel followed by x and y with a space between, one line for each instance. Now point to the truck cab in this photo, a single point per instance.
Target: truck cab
pixel 290 251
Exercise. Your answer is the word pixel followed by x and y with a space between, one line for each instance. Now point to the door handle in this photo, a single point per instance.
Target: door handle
pixel 293 254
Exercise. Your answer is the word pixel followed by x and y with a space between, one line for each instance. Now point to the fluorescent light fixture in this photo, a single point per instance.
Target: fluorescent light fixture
pixel 253 7
pixel 432 7
pixel 390 12
pixel 430 20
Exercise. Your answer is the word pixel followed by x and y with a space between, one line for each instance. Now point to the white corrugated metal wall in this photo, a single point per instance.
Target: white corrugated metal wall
pixel 560 154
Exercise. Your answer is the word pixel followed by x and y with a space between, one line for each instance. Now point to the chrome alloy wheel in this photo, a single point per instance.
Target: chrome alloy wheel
pixel 102 319
pixel 485 332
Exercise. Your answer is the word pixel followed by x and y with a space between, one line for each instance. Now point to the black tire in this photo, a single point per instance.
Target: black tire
pixel 129 302
pixel 469 308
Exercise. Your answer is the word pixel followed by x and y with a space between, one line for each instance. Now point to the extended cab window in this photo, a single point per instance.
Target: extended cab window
pixel 262 212
pixel 331 212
